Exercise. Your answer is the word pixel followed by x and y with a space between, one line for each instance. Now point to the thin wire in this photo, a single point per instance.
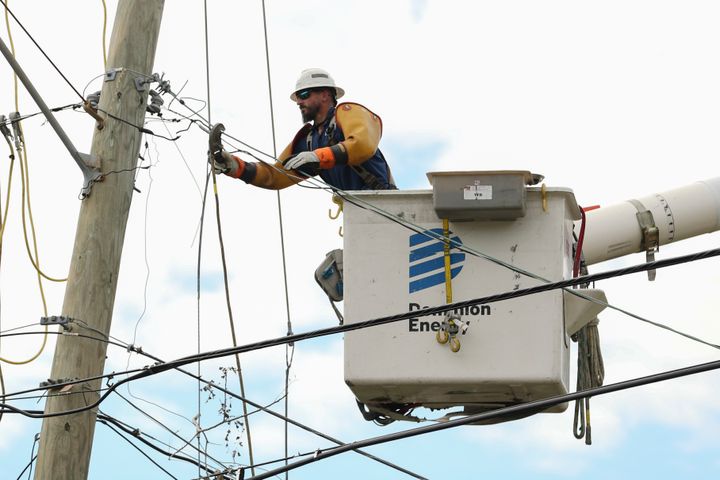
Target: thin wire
pixel 141 451
pixel 29 465
pixel 222 250
pixel 104 49
pixel 168 429
pixel 25 181
pixel 22 159
pixel 141 129
pixel 527 407
pixel 187 166
pixel 288 355
pixel 161 367
pixel 136 433
pixel 202 223
pixel 7 10
pixel 9 122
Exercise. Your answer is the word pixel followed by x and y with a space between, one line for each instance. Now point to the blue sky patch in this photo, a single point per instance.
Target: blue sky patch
pixel 410 158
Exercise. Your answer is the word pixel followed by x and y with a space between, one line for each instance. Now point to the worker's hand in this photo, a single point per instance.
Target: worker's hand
pixel 308 159
pixel 223 162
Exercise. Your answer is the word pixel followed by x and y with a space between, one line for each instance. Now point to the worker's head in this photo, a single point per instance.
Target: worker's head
pixel 315 91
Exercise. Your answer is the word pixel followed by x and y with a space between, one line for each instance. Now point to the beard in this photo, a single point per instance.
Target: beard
pixel 309 113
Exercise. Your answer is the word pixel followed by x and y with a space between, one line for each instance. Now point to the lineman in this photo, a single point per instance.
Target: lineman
pixel 340 145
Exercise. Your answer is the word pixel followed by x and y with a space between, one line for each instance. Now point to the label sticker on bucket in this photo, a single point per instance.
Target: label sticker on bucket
pixel 477 192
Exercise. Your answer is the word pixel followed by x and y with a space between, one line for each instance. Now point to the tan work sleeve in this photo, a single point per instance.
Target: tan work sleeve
pixel 273 177
pixel 362 130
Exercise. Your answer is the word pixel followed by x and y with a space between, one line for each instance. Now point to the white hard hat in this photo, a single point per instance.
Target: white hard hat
pixel 315 78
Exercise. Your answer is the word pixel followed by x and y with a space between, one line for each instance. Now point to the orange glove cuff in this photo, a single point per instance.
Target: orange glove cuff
pixel 237 172
pixel 326 156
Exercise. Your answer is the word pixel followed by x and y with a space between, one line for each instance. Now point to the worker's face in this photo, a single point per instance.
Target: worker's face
pixel 309 101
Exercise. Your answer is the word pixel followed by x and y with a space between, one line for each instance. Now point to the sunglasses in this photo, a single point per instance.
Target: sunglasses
pixel 305 94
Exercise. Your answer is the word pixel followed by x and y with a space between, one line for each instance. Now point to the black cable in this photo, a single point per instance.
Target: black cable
pixel 138 449
pixel 523 408
pixel 33 457
pixel 168 429
pixel 141 129
pixel 136 433
pixel 41 50
pixel 30 115
pixel 249 402
pixel 29 465
pixel 165 366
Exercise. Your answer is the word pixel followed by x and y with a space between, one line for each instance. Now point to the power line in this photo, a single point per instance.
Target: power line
pixel 41 50
pixel 165 427
pixel 523 408
pixel 138 449
pixel 165 366
pixel 248 401
pixel 33 457
pixel 136 433
pixel 289 355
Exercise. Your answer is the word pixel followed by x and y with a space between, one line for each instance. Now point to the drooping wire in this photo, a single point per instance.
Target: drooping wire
pixel 136 433
pixel 158 368
pixel 166 428
pixel 359 202
pixel 33 457
pixel 27 205
pixel 22 159
pixel 527 407
pixel 222 250
pixel 140 450
pixel 289 348
pixel 104 49
pixel 259 407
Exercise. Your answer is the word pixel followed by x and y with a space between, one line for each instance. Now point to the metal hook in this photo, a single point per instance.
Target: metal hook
pixel 337 201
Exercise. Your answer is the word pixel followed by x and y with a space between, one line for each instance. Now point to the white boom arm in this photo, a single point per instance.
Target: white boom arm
pixel 681 213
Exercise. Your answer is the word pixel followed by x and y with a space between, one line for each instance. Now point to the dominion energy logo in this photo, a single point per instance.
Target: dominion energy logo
pixel 427 269
pixel 427 264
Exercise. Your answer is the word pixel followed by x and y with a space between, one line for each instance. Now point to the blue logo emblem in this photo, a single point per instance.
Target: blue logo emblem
pixel 427 263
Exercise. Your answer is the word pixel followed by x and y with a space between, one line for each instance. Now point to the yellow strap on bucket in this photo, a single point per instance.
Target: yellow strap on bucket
pixel 446 250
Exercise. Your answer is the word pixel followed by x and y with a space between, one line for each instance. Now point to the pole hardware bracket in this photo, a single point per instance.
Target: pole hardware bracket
pixel 650 234
pixel 59 381
pixel 111 74
pixel 55 320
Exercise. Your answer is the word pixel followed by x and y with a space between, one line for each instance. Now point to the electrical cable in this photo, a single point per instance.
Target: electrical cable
pixel 9 122
pixel 138 449
pixel 522 408
pixel 33 457
pixel 104 49
pixel 165 366
pixel 210 174
pixel 288 347
pixel 12 49
pixel 140 129
pixel 25 196
pixel 222 253
pixel 20 140
pixel 7 10
pixel 256 405
pixel 136 433
pixel 166 428
pixel 289 420
pixel 185 162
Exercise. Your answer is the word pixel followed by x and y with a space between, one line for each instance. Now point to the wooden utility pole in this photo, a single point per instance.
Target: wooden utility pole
pixel 66 441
